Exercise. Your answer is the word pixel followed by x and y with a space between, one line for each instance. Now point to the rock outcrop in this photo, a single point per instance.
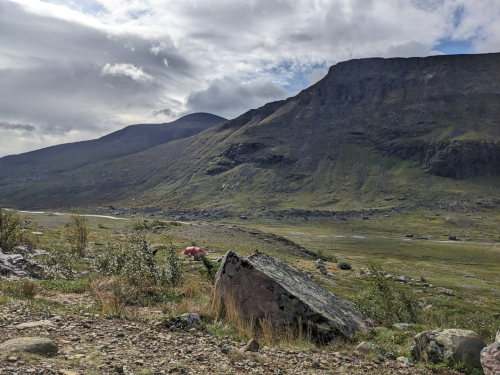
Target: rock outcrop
pixel 262 287
pixel 455 345
pixel 490 357
pixel 16 266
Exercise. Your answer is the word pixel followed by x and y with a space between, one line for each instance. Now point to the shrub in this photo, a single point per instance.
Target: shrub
pixel 343 266
pixel 145 273
pixel 78 234
pixel 28 239
pixel 173 266
pixel 10 232
pixel 210 267
pixel 385 301
pixel 151 225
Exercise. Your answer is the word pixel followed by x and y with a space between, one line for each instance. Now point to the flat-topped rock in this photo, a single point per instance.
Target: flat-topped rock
pixel 264 287
pixel 37 324
pixel 36 345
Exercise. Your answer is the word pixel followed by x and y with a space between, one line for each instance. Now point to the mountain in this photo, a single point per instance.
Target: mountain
pixel 373 133
pixel 129 140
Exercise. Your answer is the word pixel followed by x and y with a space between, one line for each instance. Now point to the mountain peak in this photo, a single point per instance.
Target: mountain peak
pixel 201 116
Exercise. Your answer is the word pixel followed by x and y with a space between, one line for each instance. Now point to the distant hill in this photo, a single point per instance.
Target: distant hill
pixel 373 133
pixel 129 140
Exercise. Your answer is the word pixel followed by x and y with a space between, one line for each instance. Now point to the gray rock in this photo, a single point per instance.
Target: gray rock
pixel 16 266
pixel 319 263
pixel 37 345
pixel 189 318
pixel 400 325
pixel 403 279
pixel 406 361
pixel 490 359
pixel 323 270
pixel 252 346
pixel 263 287
pixel 366 347
pixel 37 324
pixel 455 345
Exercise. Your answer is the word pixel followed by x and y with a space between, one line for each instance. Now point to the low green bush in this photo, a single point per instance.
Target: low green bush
pixel 10 230
pixel 145 273
pixel 344 266
pixel 210 267
pixel 386 301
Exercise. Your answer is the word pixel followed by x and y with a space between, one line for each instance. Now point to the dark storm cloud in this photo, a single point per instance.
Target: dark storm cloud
pixel 21 127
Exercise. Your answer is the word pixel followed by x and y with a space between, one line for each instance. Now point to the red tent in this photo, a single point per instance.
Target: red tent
pixel 193 250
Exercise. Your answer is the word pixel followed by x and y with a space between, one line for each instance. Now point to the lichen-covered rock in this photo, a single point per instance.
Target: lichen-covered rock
pixel 263 287
pixel 455 345
pixel 490 357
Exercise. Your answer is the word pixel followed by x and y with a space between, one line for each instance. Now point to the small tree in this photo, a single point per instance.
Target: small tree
pixel 173 265
pixel 10 232
pixel 386 301
pixel 78 234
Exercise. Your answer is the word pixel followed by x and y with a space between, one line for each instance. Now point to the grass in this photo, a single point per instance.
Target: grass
pixel 64 286
pixel 469 268
pixel 25 289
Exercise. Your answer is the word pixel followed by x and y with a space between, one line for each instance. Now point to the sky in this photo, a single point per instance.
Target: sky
pixel 72 70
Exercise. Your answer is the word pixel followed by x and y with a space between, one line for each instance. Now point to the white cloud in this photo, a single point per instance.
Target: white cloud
pixel 127 70
pixel 229 97
pixel 90 68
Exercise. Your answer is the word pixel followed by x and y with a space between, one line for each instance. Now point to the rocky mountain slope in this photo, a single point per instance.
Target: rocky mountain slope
pixel 373 133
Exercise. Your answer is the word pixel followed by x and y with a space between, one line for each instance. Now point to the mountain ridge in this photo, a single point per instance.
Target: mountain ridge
pixel 128 140
pixel 370 130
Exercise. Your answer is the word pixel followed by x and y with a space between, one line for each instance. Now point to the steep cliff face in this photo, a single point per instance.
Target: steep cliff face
pixel 442 111
pixel 464 159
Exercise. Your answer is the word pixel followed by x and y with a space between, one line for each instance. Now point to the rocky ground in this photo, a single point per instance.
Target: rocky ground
pixel 90 344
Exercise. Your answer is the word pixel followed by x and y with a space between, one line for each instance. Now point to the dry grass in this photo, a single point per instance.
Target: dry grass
pixel 192 288
pixel 268 330
pixel 19 288
pixel 108 296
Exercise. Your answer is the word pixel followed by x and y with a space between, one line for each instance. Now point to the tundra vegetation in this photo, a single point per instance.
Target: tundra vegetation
pixel 133 270
pixel 10 230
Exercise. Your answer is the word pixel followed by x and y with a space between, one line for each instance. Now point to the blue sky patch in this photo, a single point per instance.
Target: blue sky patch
pixel 454 47
pixel 84 6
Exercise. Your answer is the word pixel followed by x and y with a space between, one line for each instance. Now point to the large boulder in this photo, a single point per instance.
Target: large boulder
pixel 490 357
pixel 454 345
pixel 261 287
